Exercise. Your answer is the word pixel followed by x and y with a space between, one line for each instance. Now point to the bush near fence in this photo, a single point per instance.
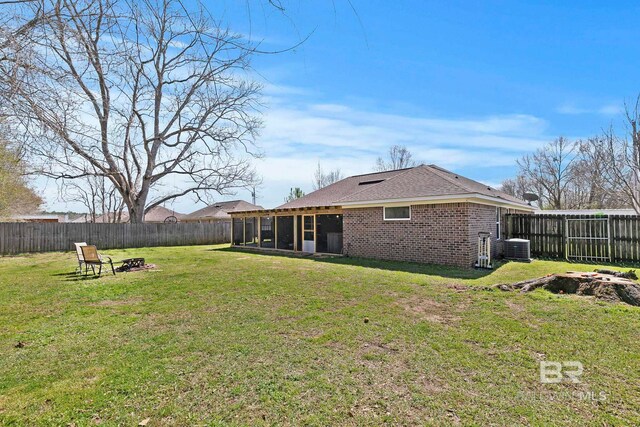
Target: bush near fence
pixel 548 235
pixel 18 238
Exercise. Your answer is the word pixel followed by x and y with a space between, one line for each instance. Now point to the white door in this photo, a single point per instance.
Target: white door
pixel 308 233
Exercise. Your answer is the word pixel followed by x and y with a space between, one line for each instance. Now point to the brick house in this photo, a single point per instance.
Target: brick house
pixel 421 214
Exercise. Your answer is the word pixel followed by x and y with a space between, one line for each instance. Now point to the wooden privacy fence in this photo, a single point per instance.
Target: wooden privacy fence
pixel 578 237
pixel 18 238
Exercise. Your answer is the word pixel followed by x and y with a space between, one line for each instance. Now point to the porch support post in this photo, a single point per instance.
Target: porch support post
pixel 295 232
pixel 259 231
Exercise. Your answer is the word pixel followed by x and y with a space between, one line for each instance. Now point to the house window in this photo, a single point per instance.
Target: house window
pixel 397 213
pixel 498 225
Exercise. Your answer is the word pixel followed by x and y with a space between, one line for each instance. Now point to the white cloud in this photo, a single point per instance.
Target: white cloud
pixel 611 109
pixel 299 133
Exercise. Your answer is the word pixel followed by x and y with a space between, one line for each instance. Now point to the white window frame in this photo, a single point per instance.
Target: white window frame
pixel 384 213
pixel 498 222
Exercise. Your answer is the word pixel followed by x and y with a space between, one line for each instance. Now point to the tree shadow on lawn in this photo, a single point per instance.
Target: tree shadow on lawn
pixel 407 267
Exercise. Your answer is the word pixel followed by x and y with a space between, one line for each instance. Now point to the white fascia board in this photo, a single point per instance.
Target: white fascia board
pixel 430 200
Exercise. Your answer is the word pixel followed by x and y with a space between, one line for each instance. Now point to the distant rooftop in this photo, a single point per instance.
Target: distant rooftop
pixel 221 210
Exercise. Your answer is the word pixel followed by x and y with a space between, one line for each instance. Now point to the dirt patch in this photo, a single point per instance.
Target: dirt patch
pixel 386 386
pixel 132 269
pixel 427 309
pixel 430 385
pixel 515 307
pixel 458 288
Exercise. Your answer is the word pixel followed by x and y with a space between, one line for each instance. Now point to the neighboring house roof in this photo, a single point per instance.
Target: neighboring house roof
pixel 157 214
pixel 37 218
pixel 424 182
pixel 160 213
pixel 586 212
pixel 221 210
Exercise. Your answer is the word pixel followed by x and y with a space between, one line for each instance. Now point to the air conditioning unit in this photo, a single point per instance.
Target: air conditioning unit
pixel 518 249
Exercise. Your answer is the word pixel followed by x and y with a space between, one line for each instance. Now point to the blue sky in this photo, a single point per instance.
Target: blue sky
pixel 471 86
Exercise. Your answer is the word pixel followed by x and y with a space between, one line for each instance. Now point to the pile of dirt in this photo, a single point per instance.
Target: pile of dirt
pixel 606 287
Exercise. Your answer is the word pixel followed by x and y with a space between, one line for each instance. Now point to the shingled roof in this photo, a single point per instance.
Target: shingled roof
pixel 328 195
pixel 420 182
pixel 221 210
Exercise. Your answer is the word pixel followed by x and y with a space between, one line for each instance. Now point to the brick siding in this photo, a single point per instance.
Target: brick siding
pixel 440 234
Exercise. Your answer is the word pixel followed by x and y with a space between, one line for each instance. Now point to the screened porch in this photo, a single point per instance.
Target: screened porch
pixel 310 231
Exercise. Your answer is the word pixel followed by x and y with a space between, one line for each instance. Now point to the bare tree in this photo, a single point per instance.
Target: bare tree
pixel 399 158
pixel 152 97
pixel 321 178
pixel 97 195
pixel 549 171
pixel 568 175
pixel 617 157
pixel 516 187
pixel 13 26
pixel 590 188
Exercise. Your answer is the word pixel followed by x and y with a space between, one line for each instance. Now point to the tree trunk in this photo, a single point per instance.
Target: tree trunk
pixel 608 287
pixel 136 213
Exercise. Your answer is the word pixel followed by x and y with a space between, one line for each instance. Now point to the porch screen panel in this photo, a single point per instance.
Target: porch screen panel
pixel 267 232
pixel 238 230
pixel 285 232
pixel 329 233
pixel 251 231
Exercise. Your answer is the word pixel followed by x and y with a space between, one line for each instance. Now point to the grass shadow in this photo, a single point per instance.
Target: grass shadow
pixel 66 274
pixel 72 276
pixel 402 266
pixel 82 278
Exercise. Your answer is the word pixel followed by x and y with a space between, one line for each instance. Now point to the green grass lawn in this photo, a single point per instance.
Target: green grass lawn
pixel 222 337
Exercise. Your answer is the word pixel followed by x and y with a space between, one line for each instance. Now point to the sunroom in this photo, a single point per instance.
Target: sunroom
pixel 309 230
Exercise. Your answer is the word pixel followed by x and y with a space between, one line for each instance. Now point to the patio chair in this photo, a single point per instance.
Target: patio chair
pixel 93 258
pixel 80 256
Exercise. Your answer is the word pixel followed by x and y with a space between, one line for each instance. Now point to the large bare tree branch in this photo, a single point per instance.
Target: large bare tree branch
pixel 150 95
